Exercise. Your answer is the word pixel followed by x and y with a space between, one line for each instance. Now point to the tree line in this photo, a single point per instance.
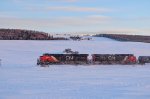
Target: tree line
pixel 18 34
pixel 122 37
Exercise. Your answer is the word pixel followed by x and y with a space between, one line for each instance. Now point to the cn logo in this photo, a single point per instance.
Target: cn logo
pixel 111 58
pixel 68 58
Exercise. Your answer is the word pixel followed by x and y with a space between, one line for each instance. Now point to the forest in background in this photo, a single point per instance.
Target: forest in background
pixel 18 34
pixel 123 37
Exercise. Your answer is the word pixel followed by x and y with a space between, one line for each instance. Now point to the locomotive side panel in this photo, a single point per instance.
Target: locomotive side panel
pixel 75 58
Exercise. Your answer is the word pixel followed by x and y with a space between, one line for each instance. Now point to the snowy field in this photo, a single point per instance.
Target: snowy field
pixel 20 78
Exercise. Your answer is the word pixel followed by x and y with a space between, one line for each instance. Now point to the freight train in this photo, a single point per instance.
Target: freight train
pixel 83 59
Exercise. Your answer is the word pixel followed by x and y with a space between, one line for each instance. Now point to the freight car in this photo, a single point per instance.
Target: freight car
pixel 114 59
pixel 144 59
pixel 48 59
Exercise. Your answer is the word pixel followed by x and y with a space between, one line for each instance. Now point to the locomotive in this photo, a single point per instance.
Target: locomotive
pixel 83 59
pixel 114 59
pixel 48 59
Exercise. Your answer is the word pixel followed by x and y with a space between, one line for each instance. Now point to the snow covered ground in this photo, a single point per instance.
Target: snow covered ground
pixel 20 78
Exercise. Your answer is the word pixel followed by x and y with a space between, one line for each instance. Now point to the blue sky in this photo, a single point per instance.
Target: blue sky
pixel 69 16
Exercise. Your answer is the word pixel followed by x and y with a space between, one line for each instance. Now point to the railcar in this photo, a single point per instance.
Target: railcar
pixel 144 59
pixel 48 59
pixel 114 59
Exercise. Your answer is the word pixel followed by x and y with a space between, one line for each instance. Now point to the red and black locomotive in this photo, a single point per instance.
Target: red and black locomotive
pixel 114 59
pixel 48 59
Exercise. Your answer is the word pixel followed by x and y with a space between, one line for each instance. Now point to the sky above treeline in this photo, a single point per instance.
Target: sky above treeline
pixel 71 16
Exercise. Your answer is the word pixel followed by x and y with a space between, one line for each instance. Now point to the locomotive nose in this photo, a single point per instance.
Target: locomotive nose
pixel 132 59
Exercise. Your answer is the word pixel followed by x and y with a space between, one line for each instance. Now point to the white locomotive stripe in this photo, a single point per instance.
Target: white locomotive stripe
pixel 54 58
